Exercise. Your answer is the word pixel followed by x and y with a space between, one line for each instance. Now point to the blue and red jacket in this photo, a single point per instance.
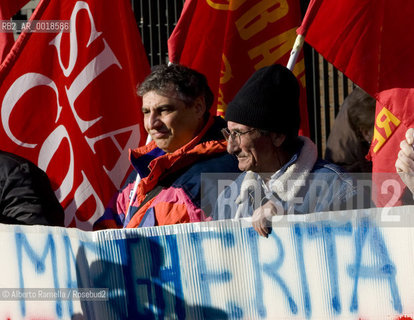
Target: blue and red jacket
pixel 179 172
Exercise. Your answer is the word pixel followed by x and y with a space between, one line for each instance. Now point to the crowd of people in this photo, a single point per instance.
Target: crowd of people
pixel 276 171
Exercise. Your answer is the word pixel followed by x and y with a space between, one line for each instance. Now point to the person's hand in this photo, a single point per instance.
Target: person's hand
pixel 262 218
pixel 405 160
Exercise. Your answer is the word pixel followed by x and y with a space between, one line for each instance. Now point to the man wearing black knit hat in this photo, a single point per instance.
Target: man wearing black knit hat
pixel 282 174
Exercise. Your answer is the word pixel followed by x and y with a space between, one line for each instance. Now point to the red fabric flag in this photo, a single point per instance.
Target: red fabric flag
pixel 370 41
pixel 228 40
pixel 8 9
pixel 68 100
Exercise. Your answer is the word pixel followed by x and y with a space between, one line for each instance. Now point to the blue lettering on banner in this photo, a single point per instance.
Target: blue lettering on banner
pixel 298 238
pixel 207 277
pixel 328 230
pixel 258 280
pixel 162 274
pixel 81 278
pixel 271 270
pixel 70 282
pixel 39 264
pixel 386 270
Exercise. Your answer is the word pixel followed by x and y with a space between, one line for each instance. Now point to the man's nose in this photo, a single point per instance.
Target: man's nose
pixel 153 120
pixel 232 146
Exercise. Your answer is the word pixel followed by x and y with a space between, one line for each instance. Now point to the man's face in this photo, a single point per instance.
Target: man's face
pixel 169 121
pixel 254 151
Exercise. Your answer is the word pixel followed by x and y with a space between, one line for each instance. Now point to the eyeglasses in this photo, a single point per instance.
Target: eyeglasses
pixel 233 135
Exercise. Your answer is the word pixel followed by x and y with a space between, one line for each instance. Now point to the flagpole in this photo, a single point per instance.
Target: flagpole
pixel 311 11
pixel 294 54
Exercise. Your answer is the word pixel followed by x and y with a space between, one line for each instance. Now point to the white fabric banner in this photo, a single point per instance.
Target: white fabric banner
pixel 358 265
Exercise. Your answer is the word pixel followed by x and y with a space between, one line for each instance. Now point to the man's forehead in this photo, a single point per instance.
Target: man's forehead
pixel 156 97
pixel 237 126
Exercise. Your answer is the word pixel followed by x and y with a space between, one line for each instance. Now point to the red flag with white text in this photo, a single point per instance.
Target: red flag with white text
pixel 371 43
pixel 228 40
pixel 68 100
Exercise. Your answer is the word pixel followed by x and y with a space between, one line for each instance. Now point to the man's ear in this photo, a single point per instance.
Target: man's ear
pixel 200 105
pixel 277 139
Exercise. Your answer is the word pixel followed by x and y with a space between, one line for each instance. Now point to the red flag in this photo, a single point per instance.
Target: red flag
pixel 371 43
pixel 68 100
pixel 228 40
pixel 8 8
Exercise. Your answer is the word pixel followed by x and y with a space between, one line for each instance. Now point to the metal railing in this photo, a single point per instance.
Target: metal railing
pixel 326 89
pixel 156 20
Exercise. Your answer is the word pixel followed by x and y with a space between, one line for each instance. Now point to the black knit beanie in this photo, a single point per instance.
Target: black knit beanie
pixel 269 100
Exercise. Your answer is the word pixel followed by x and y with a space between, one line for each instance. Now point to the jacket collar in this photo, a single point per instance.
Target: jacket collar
pixel 291 177
pixel 152 163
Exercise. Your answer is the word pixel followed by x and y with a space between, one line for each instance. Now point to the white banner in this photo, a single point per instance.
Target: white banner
pixel 355 267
